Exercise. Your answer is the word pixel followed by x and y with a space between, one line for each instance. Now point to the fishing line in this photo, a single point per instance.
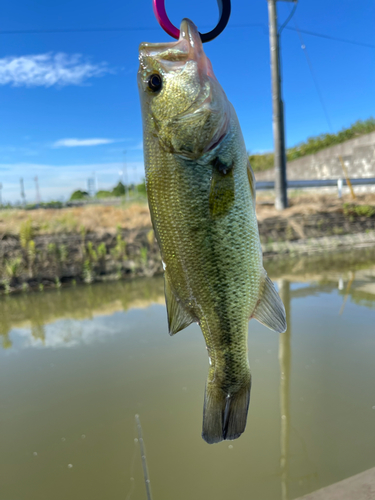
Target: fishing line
pixel 143 455
pixel 132 464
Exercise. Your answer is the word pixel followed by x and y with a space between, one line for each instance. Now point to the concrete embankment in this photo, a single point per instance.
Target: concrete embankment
pixel 359 487
pixel 357 154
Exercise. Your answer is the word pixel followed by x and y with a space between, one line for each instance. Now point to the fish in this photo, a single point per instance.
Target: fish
pixel 201 196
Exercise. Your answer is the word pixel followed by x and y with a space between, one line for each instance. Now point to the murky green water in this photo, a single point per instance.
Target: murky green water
pixel 78 364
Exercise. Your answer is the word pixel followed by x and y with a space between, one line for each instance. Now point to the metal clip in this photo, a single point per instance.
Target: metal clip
pixel 163 20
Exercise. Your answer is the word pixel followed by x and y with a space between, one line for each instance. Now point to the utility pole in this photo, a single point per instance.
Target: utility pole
pixel 37 190
pixel 96 183
pixel 281 197
pixel 126 180
pixel 1 199
pixel 22 192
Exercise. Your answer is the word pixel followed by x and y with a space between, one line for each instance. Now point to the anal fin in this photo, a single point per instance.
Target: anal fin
pixel 178 317
pixel 270 310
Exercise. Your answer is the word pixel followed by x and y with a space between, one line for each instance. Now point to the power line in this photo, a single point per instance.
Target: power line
pixel 152 28
pixel 74 30
pixel 318 91
pixel 98 30
pixel 289 17
pixel 329 37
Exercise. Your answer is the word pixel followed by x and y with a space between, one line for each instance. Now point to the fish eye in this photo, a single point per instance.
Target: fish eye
pixel 155 82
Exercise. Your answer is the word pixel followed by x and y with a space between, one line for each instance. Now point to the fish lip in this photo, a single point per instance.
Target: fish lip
pixel 188 46
pixel 147 48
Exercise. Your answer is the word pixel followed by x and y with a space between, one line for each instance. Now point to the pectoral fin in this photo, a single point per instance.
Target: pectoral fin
pixel 250 176
pixel 178 317
pixel 270 309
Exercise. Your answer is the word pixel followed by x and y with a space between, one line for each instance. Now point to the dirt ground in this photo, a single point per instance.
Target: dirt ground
pixel 309 204
pixel 100 218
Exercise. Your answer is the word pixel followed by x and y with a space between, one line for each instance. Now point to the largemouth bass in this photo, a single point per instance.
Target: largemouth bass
pixel 201 194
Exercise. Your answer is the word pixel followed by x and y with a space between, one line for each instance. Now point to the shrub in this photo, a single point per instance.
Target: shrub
pixel 103 194
pixel 261 162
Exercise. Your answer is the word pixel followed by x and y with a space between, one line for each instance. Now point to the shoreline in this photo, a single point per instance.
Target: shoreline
pixel 276 255
pixel 54 248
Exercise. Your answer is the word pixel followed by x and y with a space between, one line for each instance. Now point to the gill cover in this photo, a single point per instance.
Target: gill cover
pixel 190 112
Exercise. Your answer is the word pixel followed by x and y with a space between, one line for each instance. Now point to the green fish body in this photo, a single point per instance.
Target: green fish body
pixel 201 194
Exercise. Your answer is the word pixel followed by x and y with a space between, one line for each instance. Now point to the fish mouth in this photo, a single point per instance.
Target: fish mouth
pixel 165 52
pixel 174 54
pixel 169 51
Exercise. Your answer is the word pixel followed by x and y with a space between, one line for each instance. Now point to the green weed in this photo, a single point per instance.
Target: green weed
pixel 144 253
pixel 26 233
pixel 352 211
pixel 13 268
pixel 118 252
pixel 91 252
pixel 88 272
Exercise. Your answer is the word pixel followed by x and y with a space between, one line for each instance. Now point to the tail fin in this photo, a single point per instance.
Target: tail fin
pixel 224 415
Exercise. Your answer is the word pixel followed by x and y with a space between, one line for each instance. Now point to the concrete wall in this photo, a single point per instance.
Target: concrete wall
pixel 358 155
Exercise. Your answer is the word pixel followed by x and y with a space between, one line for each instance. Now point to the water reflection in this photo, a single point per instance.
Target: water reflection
pixel 311 418
pixel 31 313
pixel 285 367
pixel 360 287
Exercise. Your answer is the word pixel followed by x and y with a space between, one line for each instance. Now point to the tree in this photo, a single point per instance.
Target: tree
pixel 79 195
pixel 119 190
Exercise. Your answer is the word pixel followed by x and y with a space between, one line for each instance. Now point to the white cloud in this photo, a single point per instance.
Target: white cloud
pixel 46 70
pixel 71 143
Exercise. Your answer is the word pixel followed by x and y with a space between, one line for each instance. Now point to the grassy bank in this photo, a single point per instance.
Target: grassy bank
pixel 48 248
pixel 312 145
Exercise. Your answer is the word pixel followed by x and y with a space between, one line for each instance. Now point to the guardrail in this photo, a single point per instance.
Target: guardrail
pixel 262 186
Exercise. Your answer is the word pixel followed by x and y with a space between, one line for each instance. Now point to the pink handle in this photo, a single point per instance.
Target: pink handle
pixel 163 20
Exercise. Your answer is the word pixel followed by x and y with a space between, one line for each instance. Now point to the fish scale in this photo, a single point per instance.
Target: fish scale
pixel 200 190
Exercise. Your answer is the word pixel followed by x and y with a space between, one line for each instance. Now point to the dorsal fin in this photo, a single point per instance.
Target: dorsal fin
pixel 178 317
pixel 270 309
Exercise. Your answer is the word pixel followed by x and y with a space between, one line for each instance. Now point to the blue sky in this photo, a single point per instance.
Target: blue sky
pixel 69 100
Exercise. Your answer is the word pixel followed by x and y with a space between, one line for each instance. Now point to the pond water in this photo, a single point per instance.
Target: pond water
pixel 77 365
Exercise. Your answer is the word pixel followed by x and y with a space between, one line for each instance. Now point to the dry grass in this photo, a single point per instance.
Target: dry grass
pixel 305 204
pixel 101 218
pixel 97 218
